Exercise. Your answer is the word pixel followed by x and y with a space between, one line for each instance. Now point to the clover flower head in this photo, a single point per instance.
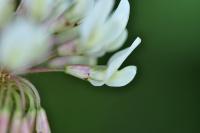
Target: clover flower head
pixel 66 36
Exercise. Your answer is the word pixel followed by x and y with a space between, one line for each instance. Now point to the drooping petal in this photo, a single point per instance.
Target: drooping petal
pixel 122 77
pixel 117 59
pixel 29 121
pixel 24 127
pixel 42 124
pixel 22 45
pixel 16 122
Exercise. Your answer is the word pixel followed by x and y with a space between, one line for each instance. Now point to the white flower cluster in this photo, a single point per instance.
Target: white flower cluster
pixel 68 36
pixel 57 36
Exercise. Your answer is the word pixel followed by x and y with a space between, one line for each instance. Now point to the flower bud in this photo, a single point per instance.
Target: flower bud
pixel 79 71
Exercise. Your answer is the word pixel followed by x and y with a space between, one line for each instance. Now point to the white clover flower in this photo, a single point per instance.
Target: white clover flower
pixel 66 36
pixel 109 75
pixel 101 29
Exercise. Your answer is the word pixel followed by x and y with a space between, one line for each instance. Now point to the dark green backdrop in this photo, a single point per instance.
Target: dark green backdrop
pixel 163 98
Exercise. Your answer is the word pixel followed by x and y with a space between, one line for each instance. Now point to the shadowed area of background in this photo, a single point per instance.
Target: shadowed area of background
pixel 165 95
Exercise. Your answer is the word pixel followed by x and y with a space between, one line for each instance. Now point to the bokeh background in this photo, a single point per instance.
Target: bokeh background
pixel 165 95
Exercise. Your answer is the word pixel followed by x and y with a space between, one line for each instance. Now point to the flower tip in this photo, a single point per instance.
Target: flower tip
pixel 42 124
pixel 138 40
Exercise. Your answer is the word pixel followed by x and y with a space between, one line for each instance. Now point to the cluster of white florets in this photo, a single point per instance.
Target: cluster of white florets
pixel 61 35
pixel 68 35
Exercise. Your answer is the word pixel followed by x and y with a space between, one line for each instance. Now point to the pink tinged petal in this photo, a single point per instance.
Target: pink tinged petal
pixel 67 49
pixel 62 62
pixel 79 71
pixel 28 122
pixel 25 127
pixel 42 124
pixel 30 119
pixel 4 121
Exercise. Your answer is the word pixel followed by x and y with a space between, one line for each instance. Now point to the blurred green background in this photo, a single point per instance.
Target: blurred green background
pixel 164 96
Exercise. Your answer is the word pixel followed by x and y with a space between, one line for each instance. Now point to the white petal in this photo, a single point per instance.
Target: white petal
pixel 79 10
pixel 117 23
pixel 23 44
pixel 118 43
pixel 96 83
pixel 97 75
pixel 95 18
pixel 122 77
pixel 117 59
pixel 100 50
pixel 60 7
pixel 39 9
pixel 110 31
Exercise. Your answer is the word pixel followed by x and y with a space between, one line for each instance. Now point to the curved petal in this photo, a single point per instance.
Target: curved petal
pixel 118 42
pixel 122 77
pixel 117 23
pixel 95 18
pixel 96 82
pixel 117 59
pixel 111 30
pixel 79 10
